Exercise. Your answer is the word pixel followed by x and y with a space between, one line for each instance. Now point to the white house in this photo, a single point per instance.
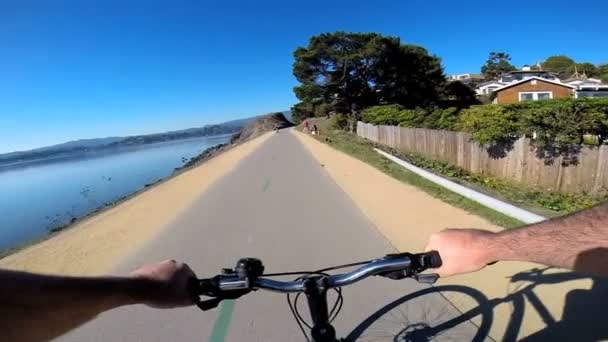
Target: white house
pixel 586 86
pixel 513 77
pixel 489 87
pixel 526 73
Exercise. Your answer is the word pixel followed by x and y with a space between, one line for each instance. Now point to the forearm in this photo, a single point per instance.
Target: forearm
pixel 578 241
pixel 38 307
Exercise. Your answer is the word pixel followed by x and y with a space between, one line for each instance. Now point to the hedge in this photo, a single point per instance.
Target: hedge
pixel 557 125
pixel 396 115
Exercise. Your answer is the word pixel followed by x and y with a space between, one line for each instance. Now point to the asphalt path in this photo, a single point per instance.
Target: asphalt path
pixel 278 205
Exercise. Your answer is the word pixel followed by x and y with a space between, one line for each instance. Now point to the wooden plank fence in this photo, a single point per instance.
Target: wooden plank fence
pixel 520 164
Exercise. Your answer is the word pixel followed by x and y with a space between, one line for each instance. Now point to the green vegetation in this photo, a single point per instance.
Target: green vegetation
pixel 378 80
pixel 496 65
pixel 559 126
pixel 363 150
pixel 547 203
pixel 347 72
pixel 563 66
pixel 396 115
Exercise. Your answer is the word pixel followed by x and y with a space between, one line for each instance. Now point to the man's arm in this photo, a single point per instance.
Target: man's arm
pixel 578 241
pixel 36 307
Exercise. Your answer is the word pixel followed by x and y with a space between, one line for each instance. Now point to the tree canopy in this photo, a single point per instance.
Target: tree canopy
pixel 602 72
pixel 496 65
pixel 346 72
pixel 560 64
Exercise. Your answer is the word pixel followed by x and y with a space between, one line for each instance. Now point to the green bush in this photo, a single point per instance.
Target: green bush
pixel 395 115
pixel 386 115
pixel 489 125
pixel 558 126
pixel 339 121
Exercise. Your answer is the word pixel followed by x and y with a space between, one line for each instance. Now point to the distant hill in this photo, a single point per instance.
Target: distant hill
pixel 261 125
pixel 86 145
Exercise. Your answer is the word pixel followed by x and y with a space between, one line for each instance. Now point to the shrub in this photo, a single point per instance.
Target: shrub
pixel 489 125
pixel 339 121
pixel 557 125
pixel 385 115
pixel 396 115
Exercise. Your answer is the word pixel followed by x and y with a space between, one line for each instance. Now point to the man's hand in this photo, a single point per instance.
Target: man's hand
pixel 461 250
pixel 168 282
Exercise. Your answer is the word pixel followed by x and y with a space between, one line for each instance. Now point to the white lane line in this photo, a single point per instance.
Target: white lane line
pixel 490 202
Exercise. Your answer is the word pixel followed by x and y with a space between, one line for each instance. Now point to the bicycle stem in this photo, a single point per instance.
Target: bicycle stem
pixel 315 289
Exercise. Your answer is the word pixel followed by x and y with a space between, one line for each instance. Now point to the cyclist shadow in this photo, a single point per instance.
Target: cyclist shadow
pixel 584 312
pixel 583 317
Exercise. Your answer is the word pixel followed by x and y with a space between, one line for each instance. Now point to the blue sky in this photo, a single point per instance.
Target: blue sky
pixel 82 69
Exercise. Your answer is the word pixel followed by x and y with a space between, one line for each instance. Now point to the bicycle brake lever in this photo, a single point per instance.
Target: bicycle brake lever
pixel 429 278
pixel 209 304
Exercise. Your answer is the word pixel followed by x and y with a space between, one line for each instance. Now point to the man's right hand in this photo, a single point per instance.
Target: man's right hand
pixel 462 250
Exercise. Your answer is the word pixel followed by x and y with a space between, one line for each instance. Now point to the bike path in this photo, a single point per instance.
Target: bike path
pixel 278 205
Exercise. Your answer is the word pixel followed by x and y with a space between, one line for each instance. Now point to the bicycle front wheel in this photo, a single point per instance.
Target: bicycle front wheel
pixel 427 315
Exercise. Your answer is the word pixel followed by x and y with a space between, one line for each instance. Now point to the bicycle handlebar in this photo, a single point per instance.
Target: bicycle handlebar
pixel 248 275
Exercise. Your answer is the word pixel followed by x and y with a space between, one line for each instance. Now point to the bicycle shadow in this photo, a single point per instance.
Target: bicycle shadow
pixel 583 317
pixel 584 313
pixel 426 331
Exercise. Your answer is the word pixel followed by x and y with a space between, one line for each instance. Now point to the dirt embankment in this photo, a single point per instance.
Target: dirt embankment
pixel 262 125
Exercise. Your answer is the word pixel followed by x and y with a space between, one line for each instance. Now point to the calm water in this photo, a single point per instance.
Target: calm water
pixel 37 197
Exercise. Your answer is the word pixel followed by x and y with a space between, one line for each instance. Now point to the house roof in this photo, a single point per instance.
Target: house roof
pixel 529 72
pixel 534 78
pixel 488 83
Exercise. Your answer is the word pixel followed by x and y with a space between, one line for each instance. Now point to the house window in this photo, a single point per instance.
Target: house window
pixel 535 96
pixel 526 96
pixel 543 96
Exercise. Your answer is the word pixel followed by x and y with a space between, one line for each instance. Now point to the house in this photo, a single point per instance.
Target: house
pixel 511 77
pixel 489 87
pixel 586 86
pixel 467 78
pixel 594 90
pixel 533 88
pixel 526 73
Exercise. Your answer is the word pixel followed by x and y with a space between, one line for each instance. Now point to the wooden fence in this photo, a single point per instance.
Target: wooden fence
pixel 520 164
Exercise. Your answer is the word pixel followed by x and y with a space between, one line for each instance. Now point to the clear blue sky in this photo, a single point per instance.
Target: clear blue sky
pixel 74 69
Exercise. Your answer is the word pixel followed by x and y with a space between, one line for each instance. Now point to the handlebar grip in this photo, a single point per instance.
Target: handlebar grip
pixel 434 259
pixel 208 286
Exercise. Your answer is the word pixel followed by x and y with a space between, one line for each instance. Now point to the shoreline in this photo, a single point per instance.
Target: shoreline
pixel 97 150
pixel 54 231
pixel 31 255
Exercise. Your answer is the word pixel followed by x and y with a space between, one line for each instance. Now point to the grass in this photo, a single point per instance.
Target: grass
pixel 543 202
pixel 363 150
